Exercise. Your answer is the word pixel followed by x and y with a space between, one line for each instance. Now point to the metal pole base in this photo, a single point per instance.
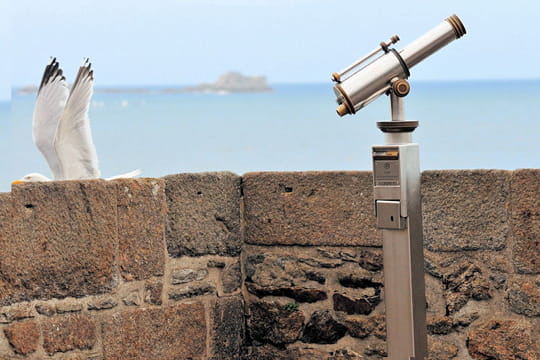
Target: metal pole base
pixel 399 216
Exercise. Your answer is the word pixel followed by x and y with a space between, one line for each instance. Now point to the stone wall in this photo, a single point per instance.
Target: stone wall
pixel 264 266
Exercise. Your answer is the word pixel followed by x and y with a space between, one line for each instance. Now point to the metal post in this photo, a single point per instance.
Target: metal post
pixel 399 216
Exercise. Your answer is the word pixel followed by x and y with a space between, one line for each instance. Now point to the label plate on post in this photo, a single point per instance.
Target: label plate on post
pixel 386 172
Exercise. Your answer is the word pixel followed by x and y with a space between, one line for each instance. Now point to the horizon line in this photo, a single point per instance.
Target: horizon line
pixel 19 87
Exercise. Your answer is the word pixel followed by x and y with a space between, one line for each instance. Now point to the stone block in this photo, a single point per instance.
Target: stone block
pixel 502 339
pixel 322 328
pixel 282 275
pixel 68 332
pixel 465 209
pixel 271 322
pixel 523 296
pixel 61 241
pixel 525 220
pixel 142 213
pixel 182 276
pixel 310 208
pixel 176 332
pixel 228 328
pixel 232 278
pixel 102 303
pixel 191 291
pixel 23 336
pixel 204 214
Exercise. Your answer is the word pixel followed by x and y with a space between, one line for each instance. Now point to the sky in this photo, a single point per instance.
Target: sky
pixel 181 42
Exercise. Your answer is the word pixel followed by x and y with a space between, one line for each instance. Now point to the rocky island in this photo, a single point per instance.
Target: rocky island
pixel 233 82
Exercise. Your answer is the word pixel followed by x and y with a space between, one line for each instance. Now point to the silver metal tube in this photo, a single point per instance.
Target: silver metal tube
pixel 428 44
pixel 397 107
pixel 373 80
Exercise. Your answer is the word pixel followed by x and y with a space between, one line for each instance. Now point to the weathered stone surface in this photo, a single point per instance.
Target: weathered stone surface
pixel 191 291
pixel 462 282
pixel 228 329
pixel 371 260
pixel 524 296
pixel 439 325
pixel 204 214
pixel 68 305
pixel 46 309
pixel 466 319
pixel 61 242
pixel 133 299
pixel 525 220
pixel 274 323
pixel 502 339
pixel 23 336
pixel 142 213
pixel 103 303
pixel 281 275
pixel 465 209
pixel 322 328
pixel 377 350
pixel 16 312
pixel 345 354
pixel 68 332
pixel 380 329
pixel 441 350
pixel 268 352
pixel 176 332
pixel 182 276
pixel 364 305
pixel 215 264
pixel 360 326
pixel 232 278
pixel 298 294
pixel 360 280
pixel 8 234
pixel 152 292
pixel 309 208
pixel 431 268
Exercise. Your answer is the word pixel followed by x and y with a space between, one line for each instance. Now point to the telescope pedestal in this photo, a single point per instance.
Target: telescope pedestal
pixel 399 216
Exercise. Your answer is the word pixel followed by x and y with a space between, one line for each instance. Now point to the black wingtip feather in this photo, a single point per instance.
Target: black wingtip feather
pixel 52 71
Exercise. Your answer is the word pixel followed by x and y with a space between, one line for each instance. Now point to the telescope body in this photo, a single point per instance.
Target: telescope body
pixel 375 79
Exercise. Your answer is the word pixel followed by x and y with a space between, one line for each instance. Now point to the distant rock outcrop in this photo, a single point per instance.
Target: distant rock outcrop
pixel 233 82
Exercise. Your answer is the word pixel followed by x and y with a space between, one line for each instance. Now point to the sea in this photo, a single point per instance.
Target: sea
pixel 463 125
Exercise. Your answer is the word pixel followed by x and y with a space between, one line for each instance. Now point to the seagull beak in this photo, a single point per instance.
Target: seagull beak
pixel 16 182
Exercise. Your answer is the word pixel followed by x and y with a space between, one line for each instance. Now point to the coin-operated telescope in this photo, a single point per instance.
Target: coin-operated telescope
pixel 396 180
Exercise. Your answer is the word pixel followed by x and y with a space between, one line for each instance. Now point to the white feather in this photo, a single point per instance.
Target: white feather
pixel 73 140
pixel 51 99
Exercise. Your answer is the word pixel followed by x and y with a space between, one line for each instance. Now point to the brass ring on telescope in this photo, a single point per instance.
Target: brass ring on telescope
pixel 458 26
pixel 401 87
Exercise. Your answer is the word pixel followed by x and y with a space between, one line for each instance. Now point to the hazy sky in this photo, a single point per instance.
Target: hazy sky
pixel 133 42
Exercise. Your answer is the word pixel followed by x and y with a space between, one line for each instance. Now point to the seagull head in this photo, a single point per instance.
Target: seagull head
pixel 33 177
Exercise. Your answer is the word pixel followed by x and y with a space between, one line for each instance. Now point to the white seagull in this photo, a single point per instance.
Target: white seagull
pixel 61 127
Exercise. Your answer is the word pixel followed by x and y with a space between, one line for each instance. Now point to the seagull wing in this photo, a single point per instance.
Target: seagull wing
pixel 51 99
pixel 73 140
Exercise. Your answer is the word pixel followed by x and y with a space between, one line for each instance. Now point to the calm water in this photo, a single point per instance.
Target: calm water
pixel 463 125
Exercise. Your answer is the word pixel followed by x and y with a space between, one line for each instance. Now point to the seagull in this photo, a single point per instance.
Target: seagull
pixel 61 127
